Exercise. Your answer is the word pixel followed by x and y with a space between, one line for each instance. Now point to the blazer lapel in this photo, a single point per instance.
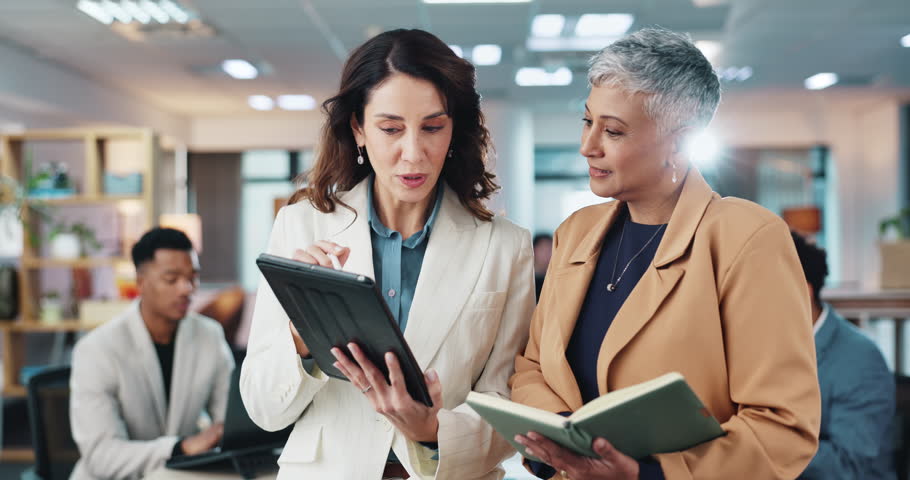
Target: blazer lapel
pixel 182 375
pixel 352 230
pixel 661 277
pixel 451 265
pixel 148 363
pixel 572 281
pixel 826 334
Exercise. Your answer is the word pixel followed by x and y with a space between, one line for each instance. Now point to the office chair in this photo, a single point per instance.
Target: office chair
pixel 48 414
pixel 902 428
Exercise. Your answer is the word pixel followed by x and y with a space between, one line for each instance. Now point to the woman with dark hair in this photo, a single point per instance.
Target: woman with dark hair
pixel 397 193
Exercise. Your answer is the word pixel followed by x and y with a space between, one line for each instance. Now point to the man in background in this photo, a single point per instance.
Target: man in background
pixel 857 389
pixel 141 382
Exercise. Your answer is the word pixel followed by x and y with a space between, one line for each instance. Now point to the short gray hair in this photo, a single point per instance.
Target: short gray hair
pixel 682 85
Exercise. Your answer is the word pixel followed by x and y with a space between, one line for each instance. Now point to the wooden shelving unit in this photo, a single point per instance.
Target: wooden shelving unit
pixel 12 163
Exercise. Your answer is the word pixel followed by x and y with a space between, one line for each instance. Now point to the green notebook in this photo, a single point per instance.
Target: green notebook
pixel 658 416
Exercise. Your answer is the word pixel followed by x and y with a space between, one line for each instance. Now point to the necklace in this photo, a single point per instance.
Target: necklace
pixel 612 285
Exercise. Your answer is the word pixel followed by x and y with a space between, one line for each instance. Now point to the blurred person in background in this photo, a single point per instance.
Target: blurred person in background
pixel 141 382
pixel 398 193
pixel 670 277
pixel 857 389
pixel 543 250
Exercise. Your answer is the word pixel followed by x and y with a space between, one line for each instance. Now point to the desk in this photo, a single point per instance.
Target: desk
pixel 208 474
pixel 859 306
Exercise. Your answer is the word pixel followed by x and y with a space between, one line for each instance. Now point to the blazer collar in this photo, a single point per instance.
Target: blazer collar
pixel 693 201
pixel 452 247
pixel 690 208
pixel 824 338
pixel 167 414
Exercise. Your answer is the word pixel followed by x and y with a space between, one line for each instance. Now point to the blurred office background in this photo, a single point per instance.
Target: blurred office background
pixel 223 98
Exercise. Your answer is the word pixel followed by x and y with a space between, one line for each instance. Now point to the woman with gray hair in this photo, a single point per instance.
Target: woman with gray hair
pixel 670 277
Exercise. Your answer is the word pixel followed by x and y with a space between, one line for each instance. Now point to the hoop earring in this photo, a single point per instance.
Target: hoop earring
pixel 359 155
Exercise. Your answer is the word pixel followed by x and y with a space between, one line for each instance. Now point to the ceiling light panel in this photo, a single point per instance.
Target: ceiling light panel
pixel 486 54
pixel 155 11
pixel 539 77
pixel 95 10
pixel 296 102
pixel 139 11
pixel 261 102
pixel 548 25
pixel 117 11
pixel 239 69
pixel 603 25
pixel 442 2
pixel 821 81
pixel 136 12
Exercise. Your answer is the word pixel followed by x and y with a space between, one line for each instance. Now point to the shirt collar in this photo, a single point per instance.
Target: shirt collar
pixel 380 229
pixel 820 321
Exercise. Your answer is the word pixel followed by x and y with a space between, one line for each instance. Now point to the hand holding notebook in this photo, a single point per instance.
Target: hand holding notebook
pixel 658 416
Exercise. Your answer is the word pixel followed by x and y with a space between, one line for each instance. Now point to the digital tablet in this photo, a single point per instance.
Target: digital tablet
pixel 331 308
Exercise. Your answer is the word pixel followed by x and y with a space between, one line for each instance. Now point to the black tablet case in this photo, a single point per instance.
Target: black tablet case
pixel 331 308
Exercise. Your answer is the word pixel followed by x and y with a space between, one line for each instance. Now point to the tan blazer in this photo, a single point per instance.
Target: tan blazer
pixel 470 316
pixel 724 303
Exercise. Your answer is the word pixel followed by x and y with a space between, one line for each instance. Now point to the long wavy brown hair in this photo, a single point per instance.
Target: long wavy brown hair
pixel 420 55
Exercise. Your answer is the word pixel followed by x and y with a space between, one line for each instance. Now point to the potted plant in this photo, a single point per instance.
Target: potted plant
pixel 14 201
pixel 894 233
pixel 51 307
pixel 72 240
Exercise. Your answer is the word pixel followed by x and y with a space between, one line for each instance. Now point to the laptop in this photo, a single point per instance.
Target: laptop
pixel 244 448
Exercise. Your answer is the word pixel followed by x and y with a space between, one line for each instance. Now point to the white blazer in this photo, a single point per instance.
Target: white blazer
pixel 469 318
pixel 121 422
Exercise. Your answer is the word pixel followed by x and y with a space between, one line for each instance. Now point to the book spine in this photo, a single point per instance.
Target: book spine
pixel 582 441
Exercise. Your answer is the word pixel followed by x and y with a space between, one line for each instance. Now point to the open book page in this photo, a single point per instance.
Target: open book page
pixel 535 414
pixel 617 397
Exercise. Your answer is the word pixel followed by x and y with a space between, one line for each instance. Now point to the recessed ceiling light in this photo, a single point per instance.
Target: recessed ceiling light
pixel 568 44
pixel 539 77
pixel 744 73
pixel 486 54
pixel 155 11
pixel 296 102
pixel 260 102
pixel 709 48
pixel 547 25
pixel 95 11
pixel 137 13
pixel 239 69
pixel 458 51
pixel 905 41
pixel 129 11
pixel 603 25
pixel 117 11
pixel 820 81
pixel 177 13
pixel 737 74
pixel 475 1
